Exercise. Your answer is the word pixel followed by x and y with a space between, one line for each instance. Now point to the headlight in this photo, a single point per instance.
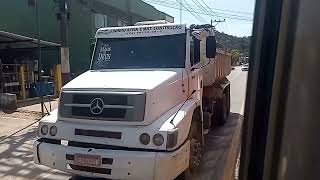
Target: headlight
pixel 158 139
pixel 144 138
pixel 44 129
pixel 53 130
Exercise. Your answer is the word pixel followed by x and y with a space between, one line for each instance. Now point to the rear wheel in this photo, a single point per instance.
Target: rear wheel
pixel 222 109
pixel 225 107
pixel 228 101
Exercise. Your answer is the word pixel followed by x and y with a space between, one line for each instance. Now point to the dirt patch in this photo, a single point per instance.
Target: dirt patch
pixel 20 114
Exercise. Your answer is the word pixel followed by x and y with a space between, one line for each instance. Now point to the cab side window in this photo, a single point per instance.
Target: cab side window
pixel 194 51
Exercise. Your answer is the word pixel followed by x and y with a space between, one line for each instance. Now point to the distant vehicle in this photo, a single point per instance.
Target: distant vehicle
pixel 245 67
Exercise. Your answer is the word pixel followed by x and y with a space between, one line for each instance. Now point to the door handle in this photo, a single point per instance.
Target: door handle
pixel 192 77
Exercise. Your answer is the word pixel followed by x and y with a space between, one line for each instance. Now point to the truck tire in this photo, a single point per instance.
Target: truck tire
pixel 228 101
pixel 222 109
pixel 196 148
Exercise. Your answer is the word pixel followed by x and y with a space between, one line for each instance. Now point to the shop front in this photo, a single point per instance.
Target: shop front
pixel 19 67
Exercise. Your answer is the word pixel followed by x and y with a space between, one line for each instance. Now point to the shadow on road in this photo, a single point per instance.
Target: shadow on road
pixel 217 144
pixel 16 158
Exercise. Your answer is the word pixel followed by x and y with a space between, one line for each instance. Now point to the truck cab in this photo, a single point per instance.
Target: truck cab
pixel 141 111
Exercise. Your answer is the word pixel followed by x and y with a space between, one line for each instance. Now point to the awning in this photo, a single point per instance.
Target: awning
pixel 15 41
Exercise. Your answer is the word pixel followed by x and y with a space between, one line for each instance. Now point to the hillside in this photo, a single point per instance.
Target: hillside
pixel 240 44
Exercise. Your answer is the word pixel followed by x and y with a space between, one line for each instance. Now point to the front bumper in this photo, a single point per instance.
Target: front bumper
pixel 124 164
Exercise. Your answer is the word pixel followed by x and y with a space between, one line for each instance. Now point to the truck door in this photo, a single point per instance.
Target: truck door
pixel 195 76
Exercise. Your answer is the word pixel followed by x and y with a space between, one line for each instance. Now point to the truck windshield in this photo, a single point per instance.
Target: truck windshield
pixel 141 52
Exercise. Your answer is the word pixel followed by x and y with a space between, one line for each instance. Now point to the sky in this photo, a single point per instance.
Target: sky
pixel 238 14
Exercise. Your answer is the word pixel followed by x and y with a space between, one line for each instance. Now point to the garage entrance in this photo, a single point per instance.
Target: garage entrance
pixel 19 66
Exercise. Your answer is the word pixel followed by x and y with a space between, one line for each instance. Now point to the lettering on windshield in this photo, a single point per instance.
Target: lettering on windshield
pixel 140 52
pixel 104 56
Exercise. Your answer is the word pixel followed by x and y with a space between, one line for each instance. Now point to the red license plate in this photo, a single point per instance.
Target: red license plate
pixel 87 160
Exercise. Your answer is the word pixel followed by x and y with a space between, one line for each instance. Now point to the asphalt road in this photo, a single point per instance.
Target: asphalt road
pixel 16 149
pixel 218 142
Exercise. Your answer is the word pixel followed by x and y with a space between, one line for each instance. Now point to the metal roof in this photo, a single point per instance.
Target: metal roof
pixel 15 41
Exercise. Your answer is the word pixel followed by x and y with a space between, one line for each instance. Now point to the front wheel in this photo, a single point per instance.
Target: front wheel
pixel 196 150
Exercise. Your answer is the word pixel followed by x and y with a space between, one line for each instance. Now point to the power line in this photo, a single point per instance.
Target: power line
pixel 242 18
pixel 201 7
pixel 208 7
pixel 225 9
pixel 221 15
pixel 198 4
pixel 218 9
pixel 239 12
pixel 193 10
pixel 174 4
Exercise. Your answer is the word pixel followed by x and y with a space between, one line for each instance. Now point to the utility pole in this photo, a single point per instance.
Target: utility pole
pixel 180 11
pixel 39 58
pixel 128 3
pixel 1 81
pixel 65 61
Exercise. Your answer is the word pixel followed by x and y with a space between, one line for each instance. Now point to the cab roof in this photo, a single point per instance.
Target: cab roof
pixel 141 31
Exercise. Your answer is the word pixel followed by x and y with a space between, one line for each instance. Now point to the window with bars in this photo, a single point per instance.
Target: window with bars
pixel 100 20
pixel 122 23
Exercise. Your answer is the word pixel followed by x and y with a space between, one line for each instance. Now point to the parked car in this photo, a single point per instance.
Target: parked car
pixel 245 67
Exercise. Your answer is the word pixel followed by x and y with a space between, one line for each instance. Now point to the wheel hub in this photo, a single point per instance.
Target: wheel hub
pixel 196 153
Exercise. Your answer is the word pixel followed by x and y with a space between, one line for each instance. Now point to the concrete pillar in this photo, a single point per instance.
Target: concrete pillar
pixel 22 82
pixel 57 79
pixel 8 101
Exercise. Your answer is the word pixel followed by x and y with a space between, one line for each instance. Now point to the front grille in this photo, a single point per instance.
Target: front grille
pixel 103 106
pixel 79 112
pixel 107 98
pixel 94 133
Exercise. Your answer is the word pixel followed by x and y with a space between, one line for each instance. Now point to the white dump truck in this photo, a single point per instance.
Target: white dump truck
pixel 142 110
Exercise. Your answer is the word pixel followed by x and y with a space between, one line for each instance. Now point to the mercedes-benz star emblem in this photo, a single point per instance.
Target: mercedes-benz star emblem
pixel 96 106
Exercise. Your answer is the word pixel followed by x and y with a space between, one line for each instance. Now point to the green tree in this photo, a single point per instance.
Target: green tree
pixel 232 42
pixel 235 55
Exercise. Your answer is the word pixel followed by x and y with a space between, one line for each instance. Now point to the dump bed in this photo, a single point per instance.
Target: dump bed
pixel 223 64
pixel 219 68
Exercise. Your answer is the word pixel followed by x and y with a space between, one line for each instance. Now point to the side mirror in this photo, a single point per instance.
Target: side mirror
pixel 211 46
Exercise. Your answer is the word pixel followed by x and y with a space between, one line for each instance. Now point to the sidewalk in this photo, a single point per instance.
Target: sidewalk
pixel 16 154
pixel 37 107
pixel 10 123
pixel 22 117
pixel 18 131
